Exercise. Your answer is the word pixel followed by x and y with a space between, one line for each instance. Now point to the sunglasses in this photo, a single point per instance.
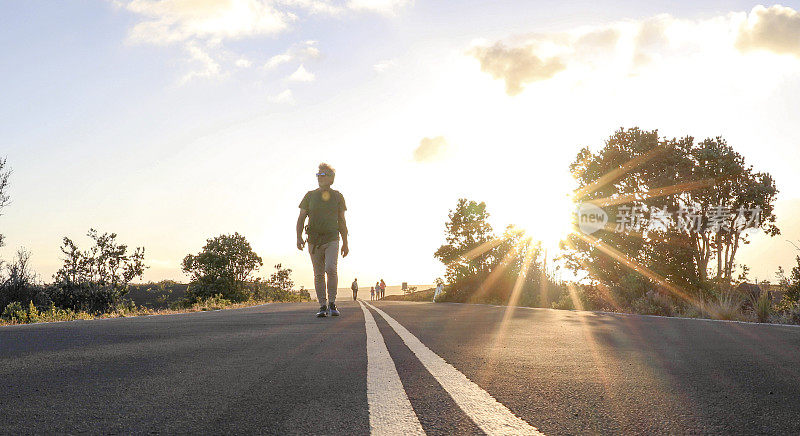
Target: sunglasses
pixel 323 174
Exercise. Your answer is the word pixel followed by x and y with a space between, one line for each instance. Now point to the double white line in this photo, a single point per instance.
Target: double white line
pixel 390 410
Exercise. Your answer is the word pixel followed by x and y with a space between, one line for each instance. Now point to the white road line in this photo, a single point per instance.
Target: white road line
pixel 489 414
pixel 390 411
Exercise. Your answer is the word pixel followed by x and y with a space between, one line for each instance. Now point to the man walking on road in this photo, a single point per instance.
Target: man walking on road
pixel 324 208
pixel 354 287
pixel 439 289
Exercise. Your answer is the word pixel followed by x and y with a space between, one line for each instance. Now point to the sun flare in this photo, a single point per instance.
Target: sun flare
pixel 549 221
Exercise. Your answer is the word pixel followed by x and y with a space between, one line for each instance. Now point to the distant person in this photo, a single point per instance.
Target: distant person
pixel 377 290
pixel 324 208
pixel 383 289
pixel 439 289
pixel 354 287
pixel 371 293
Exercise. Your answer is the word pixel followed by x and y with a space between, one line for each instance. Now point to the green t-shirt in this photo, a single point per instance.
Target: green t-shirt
pixel 323 208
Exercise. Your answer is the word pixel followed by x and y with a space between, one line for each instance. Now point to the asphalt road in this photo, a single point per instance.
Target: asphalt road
pixel 404 368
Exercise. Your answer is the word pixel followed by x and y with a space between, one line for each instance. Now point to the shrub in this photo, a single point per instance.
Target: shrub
pixel 653 303
pixel 223 266
pixel 214 302
pixel 19 283
pixel 762 307
pixel 16 314
pixel 589 297
pixel 726 306
pixel 95 280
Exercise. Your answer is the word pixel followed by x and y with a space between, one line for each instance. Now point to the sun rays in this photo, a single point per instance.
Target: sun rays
pixel 555 236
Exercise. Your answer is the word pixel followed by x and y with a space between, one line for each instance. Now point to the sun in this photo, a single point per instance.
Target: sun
pixel 549 220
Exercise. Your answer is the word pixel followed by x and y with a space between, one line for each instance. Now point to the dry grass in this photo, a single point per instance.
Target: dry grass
pixel 725 307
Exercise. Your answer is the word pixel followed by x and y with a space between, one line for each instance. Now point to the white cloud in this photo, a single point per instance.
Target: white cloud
pixel 299 52
pixel 302 75
pixel 168 21
pixel 315 6
pixel 516 65
pixel 634 47
pixel 207 66
pixel 277 60
pixel 284 97
pixel 387 7
pixel 384 65
pixel 775 29
pixel 431 149
pixel 210 23
pixel 243 63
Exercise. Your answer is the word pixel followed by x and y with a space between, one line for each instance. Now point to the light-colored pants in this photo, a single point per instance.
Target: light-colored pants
pixel 324 259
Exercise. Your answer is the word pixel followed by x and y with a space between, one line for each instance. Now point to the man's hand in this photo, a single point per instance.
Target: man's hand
pixel 345 249
pixel 300 243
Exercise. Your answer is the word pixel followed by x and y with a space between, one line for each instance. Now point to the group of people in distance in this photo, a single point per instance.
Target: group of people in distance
pixel 378 291
pixel 379 288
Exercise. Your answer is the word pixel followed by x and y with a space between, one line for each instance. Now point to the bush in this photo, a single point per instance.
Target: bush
pixel 654 303
pixel 95 280
pixel 214 302
pixel 223 266
pixel 787 311
pixel 86 297
pixel 19 283
pixel 762 307
pixel 726 306
pixel 588 298
pixel 16 314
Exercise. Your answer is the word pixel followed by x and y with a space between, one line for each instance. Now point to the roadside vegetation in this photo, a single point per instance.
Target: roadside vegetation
pixel 97 282
pixel 687 271
pixel 413 295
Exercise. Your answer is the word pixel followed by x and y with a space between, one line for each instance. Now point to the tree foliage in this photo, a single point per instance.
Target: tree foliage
pixel 19 283
pixel 712 179
pixel 95 280
pixel 278 287
pixel 223 266
pixel 466 229
pixel 480 267
pixel 5 198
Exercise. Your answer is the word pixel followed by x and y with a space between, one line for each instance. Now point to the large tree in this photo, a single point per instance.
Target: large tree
pixel 705 187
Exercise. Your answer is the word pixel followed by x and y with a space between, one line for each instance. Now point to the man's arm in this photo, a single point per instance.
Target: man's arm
pixel 301 222
pixel 343 232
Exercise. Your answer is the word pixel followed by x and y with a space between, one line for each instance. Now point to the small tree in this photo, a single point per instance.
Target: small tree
pixel 19 283
pixel 466 229
pixel 279 286
pixel 222 267
pixel 96 280
pixel 4 197
pixel 281 279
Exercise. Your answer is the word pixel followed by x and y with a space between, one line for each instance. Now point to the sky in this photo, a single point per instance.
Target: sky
pixel 170 122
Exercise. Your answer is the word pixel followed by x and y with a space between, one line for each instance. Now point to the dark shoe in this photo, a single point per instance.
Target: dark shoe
pixel 323 312
pixel 334 312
